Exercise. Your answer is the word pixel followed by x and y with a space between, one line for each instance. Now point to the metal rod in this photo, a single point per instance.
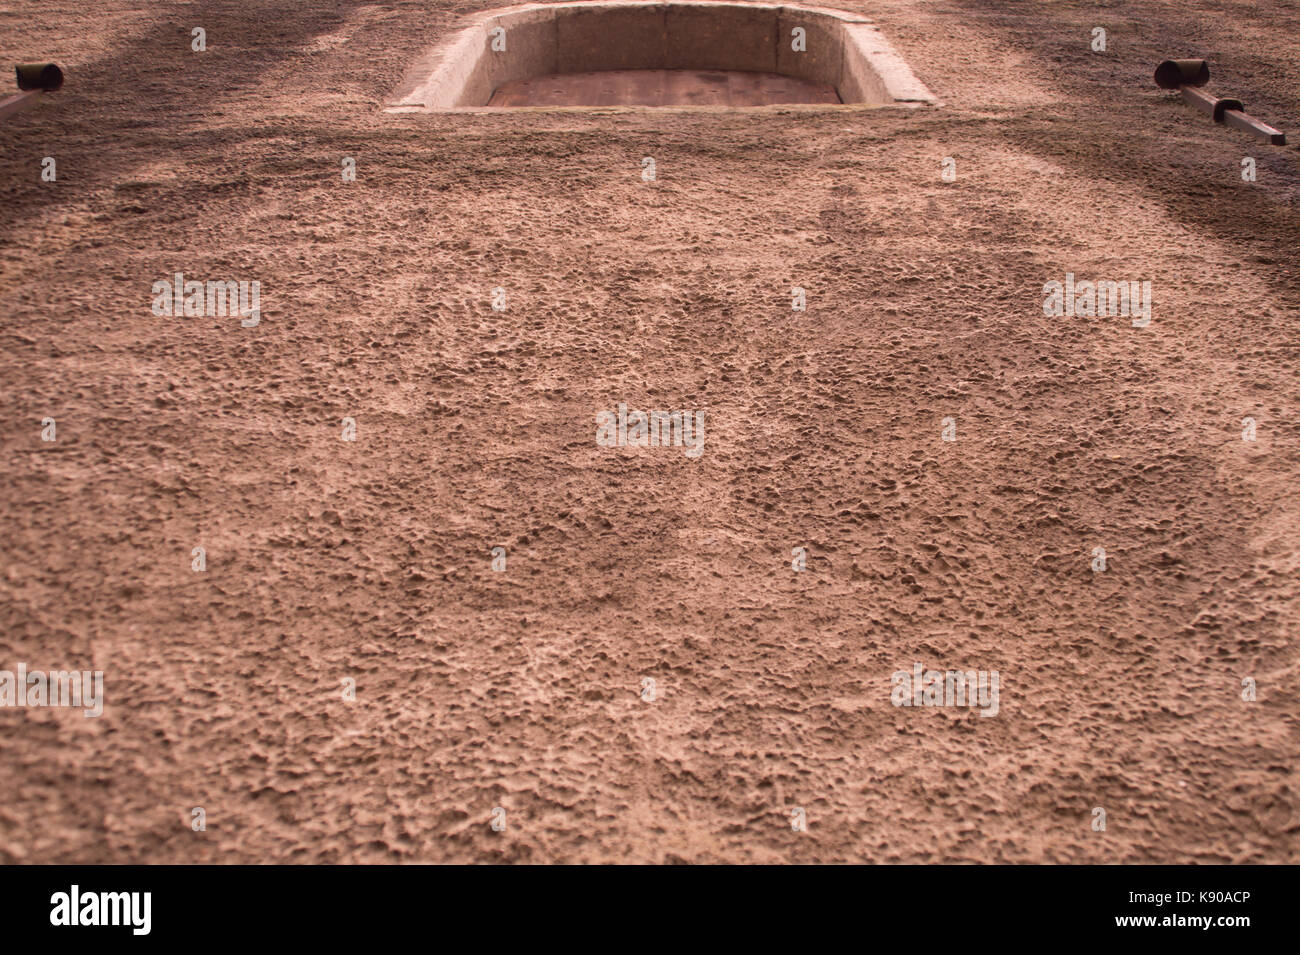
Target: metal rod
pixel 19 101
pixel 1247 123
pixel 1202 101
pixel 1186 75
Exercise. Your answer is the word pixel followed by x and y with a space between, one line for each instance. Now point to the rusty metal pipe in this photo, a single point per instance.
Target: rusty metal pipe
pixel 1186 75
pixel 33 79
pixel 39 76
pixel 1171 74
